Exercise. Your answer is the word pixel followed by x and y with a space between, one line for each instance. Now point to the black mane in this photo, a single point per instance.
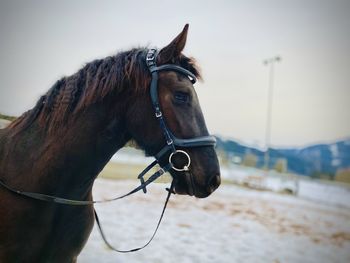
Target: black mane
pixel 92 83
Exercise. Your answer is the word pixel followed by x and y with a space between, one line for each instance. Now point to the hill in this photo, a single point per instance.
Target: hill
pixel 7 117
pixel 311 160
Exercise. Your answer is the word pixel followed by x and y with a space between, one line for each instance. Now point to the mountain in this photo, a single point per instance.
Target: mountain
pixel 311 160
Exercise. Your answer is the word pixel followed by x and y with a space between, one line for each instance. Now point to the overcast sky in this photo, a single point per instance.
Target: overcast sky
pixel 42 41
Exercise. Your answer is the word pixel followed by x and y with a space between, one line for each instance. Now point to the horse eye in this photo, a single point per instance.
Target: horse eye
pixel 182 97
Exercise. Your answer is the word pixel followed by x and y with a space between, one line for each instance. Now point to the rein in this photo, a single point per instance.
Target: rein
pixel 142 186
pixel 172 142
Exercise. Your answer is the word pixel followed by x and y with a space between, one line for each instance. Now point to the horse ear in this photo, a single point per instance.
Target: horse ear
pixel 173 50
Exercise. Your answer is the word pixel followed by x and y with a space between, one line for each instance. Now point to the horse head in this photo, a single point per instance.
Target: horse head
pixel 181 117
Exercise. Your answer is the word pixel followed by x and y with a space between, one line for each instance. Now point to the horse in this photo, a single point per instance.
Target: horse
pixel 60 146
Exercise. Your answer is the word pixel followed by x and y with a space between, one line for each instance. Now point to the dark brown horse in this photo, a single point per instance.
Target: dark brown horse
pixel 60 146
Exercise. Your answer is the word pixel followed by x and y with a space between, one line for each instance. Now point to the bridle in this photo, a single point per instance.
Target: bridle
pixel 172 142
pixel 172 148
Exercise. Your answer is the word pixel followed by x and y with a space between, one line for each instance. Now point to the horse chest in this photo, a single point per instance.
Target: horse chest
pixel 55 233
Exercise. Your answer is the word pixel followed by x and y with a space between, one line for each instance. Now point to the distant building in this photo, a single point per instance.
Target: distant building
pixel 343 175
pixel 281 165
pixel 250 159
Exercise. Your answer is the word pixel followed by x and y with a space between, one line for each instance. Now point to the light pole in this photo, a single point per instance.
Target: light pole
pixel 270 62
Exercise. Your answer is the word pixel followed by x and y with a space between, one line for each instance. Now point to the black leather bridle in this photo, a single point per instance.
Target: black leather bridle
pixel 172 142
pixel 172 148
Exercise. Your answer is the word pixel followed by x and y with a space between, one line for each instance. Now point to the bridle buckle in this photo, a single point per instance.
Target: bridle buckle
pixel 150 57
pixel 169 141
pixel 158 114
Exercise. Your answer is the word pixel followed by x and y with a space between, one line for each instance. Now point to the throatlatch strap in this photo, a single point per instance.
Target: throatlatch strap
pixel 170 191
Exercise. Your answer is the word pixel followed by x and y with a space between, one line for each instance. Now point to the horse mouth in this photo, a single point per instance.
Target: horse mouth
pixel 187 186
pixel 191 189
pixel 183 184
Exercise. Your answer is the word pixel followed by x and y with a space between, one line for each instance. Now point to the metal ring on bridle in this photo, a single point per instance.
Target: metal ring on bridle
pixel 186 166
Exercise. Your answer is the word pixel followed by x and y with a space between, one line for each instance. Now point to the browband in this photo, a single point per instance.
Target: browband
pixel 175 68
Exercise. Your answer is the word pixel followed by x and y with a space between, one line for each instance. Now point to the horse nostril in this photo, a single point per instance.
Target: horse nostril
pixel 214 182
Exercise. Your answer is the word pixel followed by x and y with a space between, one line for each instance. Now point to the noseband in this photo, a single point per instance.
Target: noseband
pixel 172 142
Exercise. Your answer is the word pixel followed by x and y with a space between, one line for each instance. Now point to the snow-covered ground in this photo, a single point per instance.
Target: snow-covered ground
pixel 328 192
pixel 234 224
pixel 317 190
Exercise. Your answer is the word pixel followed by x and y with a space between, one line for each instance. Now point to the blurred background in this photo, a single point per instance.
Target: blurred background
pixel 276 94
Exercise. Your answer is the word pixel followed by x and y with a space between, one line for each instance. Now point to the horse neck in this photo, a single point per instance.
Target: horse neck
pixel 67 161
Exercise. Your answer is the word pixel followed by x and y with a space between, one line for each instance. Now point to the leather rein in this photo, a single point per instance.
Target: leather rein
pixel 172 144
